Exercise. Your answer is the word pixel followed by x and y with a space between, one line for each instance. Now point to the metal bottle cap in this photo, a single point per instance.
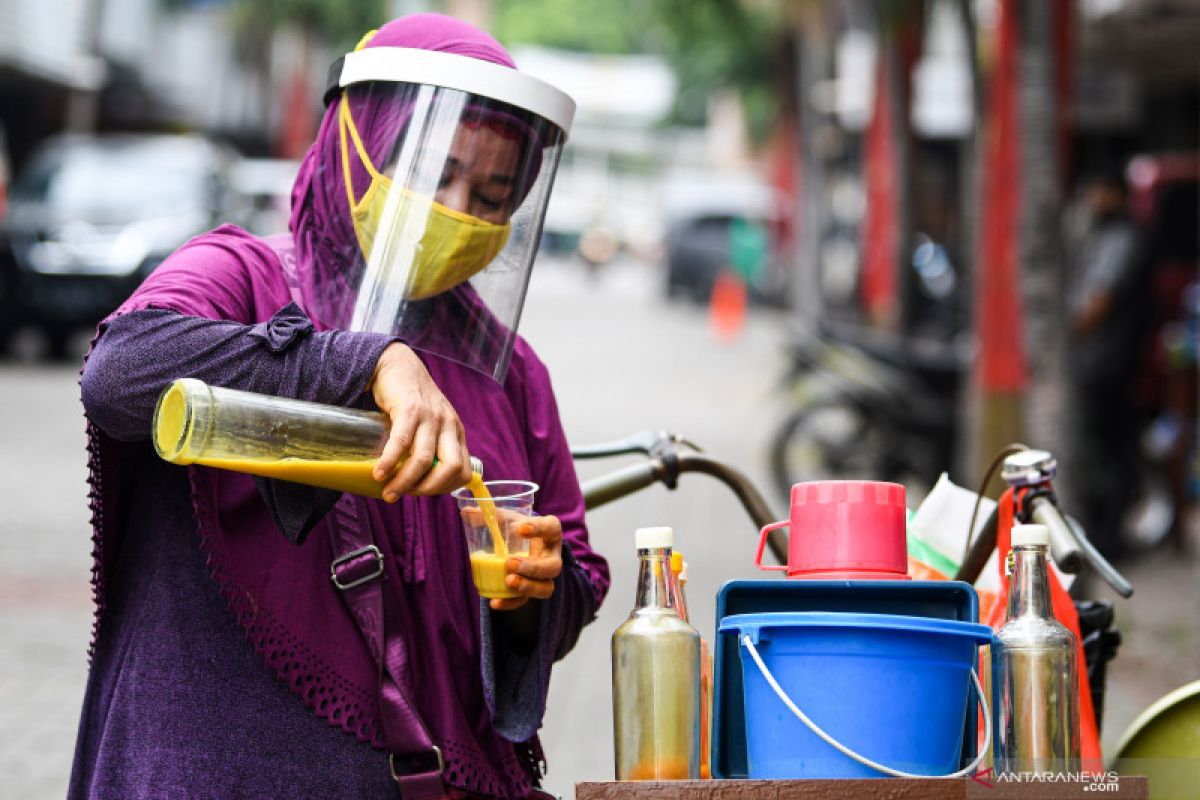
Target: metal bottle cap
pixel 1028 468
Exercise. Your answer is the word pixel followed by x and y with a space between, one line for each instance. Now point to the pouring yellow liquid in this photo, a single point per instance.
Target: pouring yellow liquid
pixel 490 519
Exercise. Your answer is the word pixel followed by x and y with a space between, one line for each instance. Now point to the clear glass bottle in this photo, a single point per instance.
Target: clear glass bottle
pixel 273 437
pixel 1034 670
pixel 656 675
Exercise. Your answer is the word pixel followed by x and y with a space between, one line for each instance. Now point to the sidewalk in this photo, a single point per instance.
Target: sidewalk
pixel 1160 634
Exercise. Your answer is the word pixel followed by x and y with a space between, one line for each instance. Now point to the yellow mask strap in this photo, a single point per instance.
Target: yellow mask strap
pixel 346 123
pixel 368 36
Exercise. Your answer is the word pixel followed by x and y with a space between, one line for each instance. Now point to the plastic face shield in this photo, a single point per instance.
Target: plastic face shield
pixel 447 165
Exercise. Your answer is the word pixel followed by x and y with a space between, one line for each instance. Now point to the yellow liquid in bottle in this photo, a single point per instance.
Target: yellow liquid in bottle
pixel 490 519
pixel 343 476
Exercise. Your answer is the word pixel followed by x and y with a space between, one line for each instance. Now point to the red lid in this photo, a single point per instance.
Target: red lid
pixel 847 526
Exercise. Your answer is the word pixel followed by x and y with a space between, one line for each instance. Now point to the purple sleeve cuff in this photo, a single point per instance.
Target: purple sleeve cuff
pixel 516 679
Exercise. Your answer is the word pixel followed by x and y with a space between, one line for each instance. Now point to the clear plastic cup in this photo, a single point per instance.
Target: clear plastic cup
pixel 513 504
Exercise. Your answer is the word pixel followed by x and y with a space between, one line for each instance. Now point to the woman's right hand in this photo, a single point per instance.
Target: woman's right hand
pixel 424 425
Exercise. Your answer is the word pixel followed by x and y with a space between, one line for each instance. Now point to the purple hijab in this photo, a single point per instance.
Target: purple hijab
pixel 280 592
pixel 320 220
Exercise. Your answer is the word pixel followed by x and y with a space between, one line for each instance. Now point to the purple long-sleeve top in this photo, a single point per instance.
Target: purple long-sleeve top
pixel 224 662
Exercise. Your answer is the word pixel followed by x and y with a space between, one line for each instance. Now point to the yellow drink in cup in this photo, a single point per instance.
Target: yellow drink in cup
pixel 492 513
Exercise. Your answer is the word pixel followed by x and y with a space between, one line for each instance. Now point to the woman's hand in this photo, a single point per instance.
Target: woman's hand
pixel 424 425
pixel 533 576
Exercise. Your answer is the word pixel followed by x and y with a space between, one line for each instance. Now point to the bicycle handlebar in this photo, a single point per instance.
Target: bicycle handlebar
pixel 1069 547
pixel 666 463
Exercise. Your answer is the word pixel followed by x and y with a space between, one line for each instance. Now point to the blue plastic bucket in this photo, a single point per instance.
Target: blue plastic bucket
pixel 893 689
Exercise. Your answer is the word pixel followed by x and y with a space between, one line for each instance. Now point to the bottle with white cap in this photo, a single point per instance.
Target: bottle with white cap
pixel 656 674
pixel 1035 683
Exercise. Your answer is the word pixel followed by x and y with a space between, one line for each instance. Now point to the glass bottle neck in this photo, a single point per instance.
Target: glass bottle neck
pixel 1029 588
pixel 655 588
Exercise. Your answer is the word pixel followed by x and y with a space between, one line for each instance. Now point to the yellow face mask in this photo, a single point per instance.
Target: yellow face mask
pixel 450 246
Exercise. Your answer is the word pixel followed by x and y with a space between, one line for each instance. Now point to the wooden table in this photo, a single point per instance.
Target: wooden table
pixel 1125 788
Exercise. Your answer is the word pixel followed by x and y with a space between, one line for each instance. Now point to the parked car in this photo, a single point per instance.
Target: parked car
pixel 722 223
pixel 91 216
pixel 262 193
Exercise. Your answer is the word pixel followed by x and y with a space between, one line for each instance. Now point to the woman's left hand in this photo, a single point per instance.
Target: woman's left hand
pixel 533 576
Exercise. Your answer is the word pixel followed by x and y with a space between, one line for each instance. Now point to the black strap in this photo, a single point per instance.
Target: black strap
pixel 333 81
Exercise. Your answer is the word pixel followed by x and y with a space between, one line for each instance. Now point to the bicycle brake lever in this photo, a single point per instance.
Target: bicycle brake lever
pixel 1105 570
pixel 647 443
pixel 642 442
pixel 1063 527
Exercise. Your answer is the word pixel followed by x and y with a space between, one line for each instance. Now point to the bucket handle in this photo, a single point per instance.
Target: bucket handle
pixel 762 542
pixel 846 751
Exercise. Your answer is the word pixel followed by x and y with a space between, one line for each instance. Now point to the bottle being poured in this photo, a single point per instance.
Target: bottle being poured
pixel 278 437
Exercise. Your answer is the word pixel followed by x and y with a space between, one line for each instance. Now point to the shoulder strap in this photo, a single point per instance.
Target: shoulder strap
pixel 357 572
pixel 415 762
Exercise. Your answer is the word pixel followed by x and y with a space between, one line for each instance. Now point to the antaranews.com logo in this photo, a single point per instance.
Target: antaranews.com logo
pixel 1089 781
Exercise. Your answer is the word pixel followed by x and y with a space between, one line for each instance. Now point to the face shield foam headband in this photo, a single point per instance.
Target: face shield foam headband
pixel 447 164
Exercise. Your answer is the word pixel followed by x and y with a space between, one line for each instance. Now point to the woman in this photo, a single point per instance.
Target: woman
pixel 225 662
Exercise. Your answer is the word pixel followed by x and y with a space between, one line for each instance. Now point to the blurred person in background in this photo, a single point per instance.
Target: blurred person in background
pixel 225 662
pixel 1107 305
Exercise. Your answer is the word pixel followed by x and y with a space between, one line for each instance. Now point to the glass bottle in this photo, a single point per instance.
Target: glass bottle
pixel 1034 671
pixel 679 571
pixel 656 675
pixel 273 437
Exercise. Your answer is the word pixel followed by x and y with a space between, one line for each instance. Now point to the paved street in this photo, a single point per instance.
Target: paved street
pixel 622 361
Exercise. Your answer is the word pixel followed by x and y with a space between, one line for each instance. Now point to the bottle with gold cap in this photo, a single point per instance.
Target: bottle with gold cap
pixel 679 569
pixel 656 674
pixel 272 437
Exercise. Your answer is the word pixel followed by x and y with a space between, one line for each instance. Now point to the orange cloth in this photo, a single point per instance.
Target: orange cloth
pixel 1064 612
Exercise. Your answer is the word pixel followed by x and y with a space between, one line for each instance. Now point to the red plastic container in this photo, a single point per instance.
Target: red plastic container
pixel 843 530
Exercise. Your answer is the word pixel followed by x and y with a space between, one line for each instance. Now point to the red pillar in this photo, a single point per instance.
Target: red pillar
pixel 881 228
pixel 1001 366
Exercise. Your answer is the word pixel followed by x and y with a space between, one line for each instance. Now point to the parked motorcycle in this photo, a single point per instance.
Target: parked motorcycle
pixel 868 404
